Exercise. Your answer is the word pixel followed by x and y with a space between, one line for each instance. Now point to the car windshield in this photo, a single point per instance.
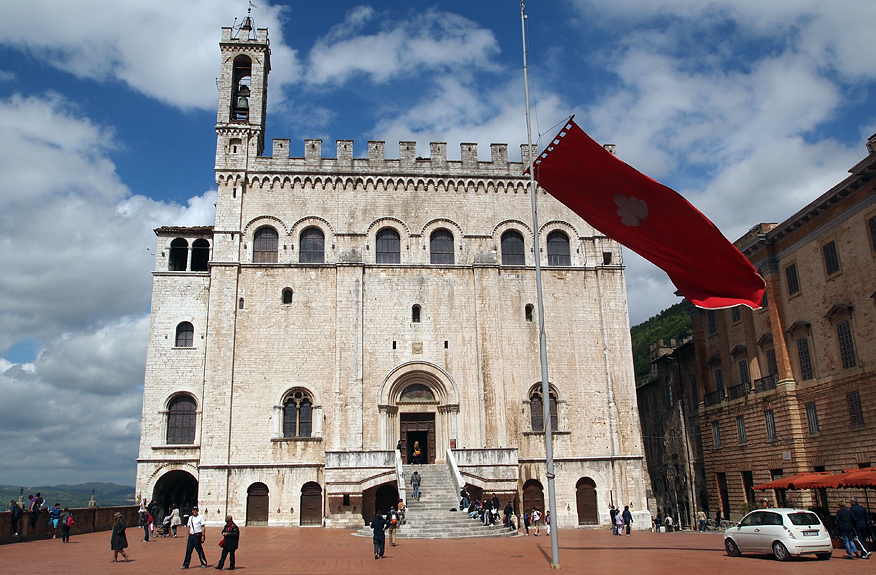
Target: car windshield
pixel 804 518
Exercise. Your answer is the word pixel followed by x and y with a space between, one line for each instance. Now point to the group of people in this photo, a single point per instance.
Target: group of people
pixel 851 524
pixel 620 520
pixel 58 517
pixel 194 544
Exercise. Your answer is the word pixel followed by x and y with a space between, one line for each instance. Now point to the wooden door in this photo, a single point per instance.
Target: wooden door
pixel 311 504
pixel 585 494
pixel 257 504
pixel 417 427
pixel 533 496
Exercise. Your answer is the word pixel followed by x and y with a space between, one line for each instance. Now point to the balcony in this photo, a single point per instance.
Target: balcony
pixel 738 391
pixel 766 383
pixel 714 398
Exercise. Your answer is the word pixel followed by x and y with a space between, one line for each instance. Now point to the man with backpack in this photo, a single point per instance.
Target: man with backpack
pixel 415 483
pixel 393 519
pixel 66 523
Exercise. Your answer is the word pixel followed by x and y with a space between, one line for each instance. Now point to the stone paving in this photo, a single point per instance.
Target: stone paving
pixel 273 550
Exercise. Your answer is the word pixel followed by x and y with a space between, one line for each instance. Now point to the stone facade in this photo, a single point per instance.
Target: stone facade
pixel 791 387
pixel 350 304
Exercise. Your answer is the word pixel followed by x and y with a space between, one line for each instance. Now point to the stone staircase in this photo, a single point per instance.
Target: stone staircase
pixel 431 517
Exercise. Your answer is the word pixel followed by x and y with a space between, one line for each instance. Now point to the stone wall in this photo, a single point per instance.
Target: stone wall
pixel 88 520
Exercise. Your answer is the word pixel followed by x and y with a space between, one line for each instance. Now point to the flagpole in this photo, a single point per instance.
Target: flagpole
pixel 545 387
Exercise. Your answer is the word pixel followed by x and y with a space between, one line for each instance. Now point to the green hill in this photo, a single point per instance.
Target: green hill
pixel 73 496
pixel 670 323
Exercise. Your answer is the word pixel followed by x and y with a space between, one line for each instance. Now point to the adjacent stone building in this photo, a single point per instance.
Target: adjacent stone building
pixel 340 307
pixel 791 387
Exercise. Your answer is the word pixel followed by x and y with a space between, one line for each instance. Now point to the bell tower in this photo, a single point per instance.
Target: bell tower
pixel 243 95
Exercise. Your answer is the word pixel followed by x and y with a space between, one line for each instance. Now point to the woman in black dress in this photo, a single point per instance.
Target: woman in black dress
pixel 119 542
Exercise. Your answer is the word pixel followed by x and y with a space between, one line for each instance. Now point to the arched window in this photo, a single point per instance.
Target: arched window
pixel 298 415
pixel 536 408
pixel 312 244
pixel 287 296
pixel 388 246
pixel 528 312
pixel 512 249
pixel 264 246
pixel 200 255
pixel 241 303
pixel 181 420
pixel 415 314
pixel 441 247
pixel 240 96
pixel 179 254
pixel 185 335
pixel 558 249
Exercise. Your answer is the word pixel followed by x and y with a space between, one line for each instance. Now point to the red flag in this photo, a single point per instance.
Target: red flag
pixel 652 220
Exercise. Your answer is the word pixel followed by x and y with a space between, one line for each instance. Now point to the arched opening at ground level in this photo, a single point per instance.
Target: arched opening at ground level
pixel 379 499
pixel 533 496
pixel 175 487
pixel 311 504
pixel 585 495
pixel 257 499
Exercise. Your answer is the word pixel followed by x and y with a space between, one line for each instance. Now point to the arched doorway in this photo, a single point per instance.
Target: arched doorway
pixel 175 486
pixel 585 495
pixel 533 495
pixel 311 504
pixel 257 504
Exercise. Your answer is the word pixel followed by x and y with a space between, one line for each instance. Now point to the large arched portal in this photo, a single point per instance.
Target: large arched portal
pixel 177 486
pixel 533 496
pixel 419 404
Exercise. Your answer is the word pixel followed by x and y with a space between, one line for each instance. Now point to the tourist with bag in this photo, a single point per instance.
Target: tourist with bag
pixel 118 540
pixel 229 543
pixel 67 522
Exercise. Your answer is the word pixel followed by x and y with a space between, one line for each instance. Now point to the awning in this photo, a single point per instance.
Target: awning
pixel 855 478
pixel 794 481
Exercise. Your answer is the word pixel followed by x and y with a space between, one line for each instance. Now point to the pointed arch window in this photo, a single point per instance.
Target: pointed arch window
pixel 536 408
pixel 179 255
pixel 181 420
pixel 388 247
pixel 558 249
pixel 298 415
pixel 512 249
pixel 441 247
pixel 312 244
pixel 264 246
pixel 185 335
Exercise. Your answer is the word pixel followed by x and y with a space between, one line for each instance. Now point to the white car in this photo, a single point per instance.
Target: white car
pixel 782 532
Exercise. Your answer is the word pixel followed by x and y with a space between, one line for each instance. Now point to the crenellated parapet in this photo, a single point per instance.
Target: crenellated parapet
pixel 408 162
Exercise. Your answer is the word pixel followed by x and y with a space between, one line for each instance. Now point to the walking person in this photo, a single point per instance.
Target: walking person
pixel 229 543
pixel 197 536
pixel 535 518
pixel 118 541
pixel 145 520
pixel 392 519
pixel 401 512
pixel 66 519
pixel 174 518
pixel 701 519
pixel 15 513
pixel 415 483
pixel 612 512
pixel 547 521
pixel 526 521
pixel 845 525
pixel 508 511
pixel 378 524
pixel 619 523
pixel 860 515
pixel 416 460
pixel 628 518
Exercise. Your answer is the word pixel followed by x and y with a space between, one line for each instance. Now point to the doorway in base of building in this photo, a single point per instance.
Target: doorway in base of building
pixel 179 487
pixel 533 495
pixel 417 427
pixel 585 495
pixel 311 504
pixel 257 504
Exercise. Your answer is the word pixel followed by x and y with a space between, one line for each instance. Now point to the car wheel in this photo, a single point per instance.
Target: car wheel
pixel 823 556
pixel 731 547
pixel 780 552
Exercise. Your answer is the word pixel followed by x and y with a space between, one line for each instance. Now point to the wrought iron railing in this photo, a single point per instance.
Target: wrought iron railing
pixel 766 383
pixel 714 398
pixel 738 391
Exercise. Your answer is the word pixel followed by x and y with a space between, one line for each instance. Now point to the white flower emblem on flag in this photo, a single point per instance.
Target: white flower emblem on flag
pixel 632 211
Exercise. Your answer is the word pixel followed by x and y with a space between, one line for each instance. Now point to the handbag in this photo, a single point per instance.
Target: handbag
pixel 222 542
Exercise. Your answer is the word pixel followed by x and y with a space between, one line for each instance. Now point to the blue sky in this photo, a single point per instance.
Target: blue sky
pixel 106 132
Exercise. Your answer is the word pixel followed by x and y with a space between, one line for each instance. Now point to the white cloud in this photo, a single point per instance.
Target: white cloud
pixel 163 49
pixel 430 41
pixel 73 243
